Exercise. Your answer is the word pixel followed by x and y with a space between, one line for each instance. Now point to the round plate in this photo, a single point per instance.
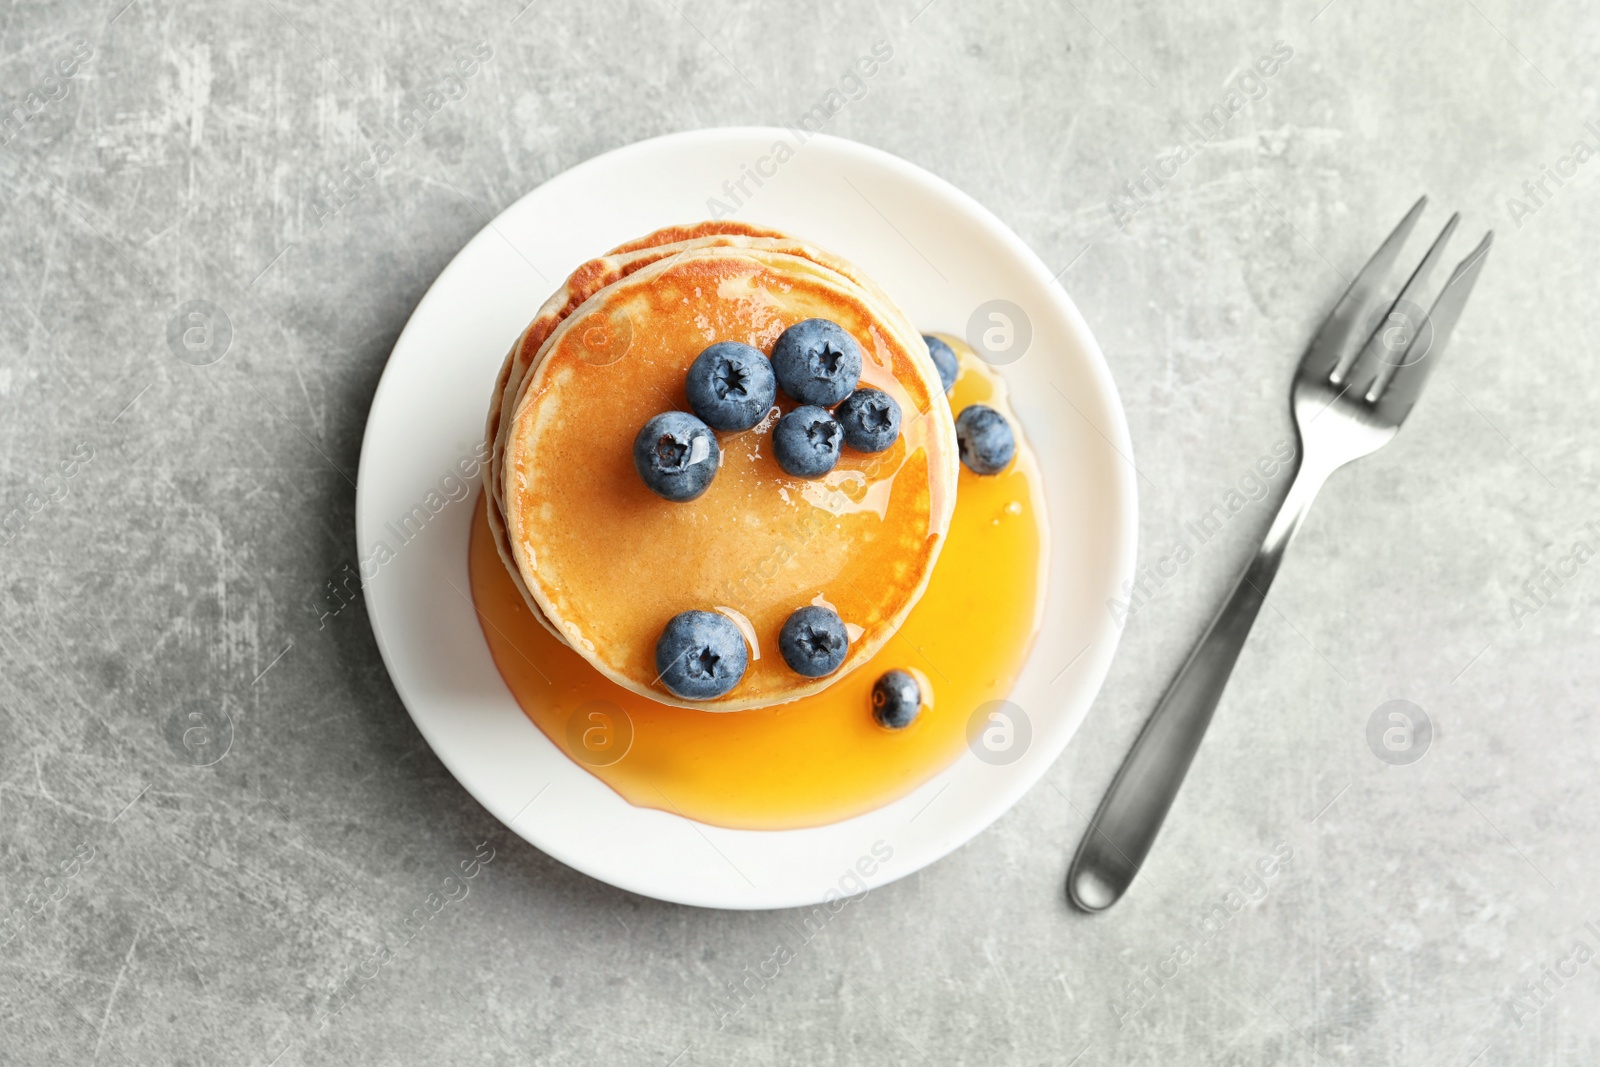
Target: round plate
pixel 954 267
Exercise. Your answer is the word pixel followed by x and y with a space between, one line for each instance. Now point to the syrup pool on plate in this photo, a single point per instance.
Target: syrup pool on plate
pixel 822 758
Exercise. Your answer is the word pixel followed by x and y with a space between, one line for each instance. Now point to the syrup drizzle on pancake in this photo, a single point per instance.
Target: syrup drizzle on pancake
pixel 609 563
pixel 592 277
pixel 819 759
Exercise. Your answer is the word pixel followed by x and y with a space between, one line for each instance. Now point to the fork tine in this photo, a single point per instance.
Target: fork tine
pixel 1375 354
pixel 1336 331
pixel 1395 403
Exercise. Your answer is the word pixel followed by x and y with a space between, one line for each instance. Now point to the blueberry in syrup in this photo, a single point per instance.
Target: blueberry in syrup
pixel 806 442
pixel 817 362
pixel 945 359
pixel 701 655
pixel 813 641
pixel 870 419
pixel 896 699
pixel 677 455
pixel 731 386
pixel 984 439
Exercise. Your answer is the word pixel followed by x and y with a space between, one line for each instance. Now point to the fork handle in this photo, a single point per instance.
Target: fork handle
pixel 1129 817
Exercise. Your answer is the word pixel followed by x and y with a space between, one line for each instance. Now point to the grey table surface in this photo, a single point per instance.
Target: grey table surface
pixel 169 531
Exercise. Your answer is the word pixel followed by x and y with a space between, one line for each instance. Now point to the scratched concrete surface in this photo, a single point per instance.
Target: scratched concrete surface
pixel 169 522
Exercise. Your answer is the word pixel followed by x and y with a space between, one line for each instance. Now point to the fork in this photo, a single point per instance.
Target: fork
pixel 1348 402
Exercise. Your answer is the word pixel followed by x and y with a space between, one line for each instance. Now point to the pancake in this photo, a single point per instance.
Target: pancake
pixel 592 277
pixel 584 282
pixel 597 273
pixel 608 563
pixel 675 234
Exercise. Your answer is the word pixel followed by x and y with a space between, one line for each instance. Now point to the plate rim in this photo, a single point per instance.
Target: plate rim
pixel 1013 786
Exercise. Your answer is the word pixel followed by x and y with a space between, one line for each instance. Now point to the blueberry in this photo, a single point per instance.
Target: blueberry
pixel 701 655
pixel 945 359
pixel 806 442
pixel 896 699
pixel 731 386
pixel 984 439
pixel 870 419
pixel 817 362
pixel 676 454
pixel 813 641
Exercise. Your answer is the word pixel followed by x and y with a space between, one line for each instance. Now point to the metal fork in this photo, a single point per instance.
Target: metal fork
pixel 1348 402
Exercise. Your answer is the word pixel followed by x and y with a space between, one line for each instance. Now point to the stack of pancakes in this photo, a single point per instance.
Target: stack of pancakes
pixel 604 563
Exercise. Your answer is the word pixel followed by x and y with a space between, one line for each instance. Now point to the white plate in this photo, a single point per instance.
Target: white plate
pixel 941 255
